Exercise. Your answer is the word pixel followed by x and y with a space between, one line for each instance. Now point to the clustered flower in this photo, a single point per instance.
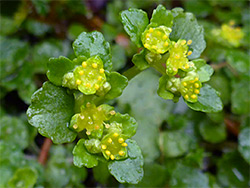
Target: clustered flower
pixel 182 77
pixel 105 134
pixel 230 33
pixel 89 77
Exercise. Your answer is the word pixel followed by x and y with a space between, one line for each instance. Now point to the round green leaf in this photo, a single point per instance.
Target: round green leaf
pixel 57 68
pixel 221 83
pixel 174 143
pixel 135 22
pixel 244 144
pixel 161 16
pixel 50 111
pixel 213 133
pixel 208 100
pixel 140 61
pixel 204 70
pixel 91 44
pixel 129 124
pixel 185 176
pixel 118 83
pixel 23 178
pixel 129 170
pixel 233 171
pixel 82 157
pixel 240 96
pixel 162 90
pixel 13 130
pixel 186 27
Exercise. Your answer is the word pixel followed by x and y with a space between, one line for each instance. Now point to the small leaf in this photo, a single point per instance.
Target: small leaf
pixel 129 124
pixel 82 157
pixel 23 177
pixel 244 144
pixel 240 96
pixel 174 143
pixel 208 100
pixel 239 60
pixel 12 55
pixel 135 22
pixel 118 57
pixel 91 44
pixel 204 70
pixel 161 16
pixel 57 68
pixel 162 90
pixel 186 27
pixel 37 28
pixel 129 170
pixel 60 171
pixel 141 105
pixel 101 173
pixel 50 111
pixel 45 50
pixel 221 83
pixel 140 61
pixel 185 176
pixel 118 83
pixel 213 133
pixel 233 171
pixel 14 131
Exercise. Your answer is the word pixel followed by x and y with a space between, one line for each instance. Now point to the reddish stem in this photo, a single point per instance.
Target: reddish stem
pixel 232 126
pixel 44 151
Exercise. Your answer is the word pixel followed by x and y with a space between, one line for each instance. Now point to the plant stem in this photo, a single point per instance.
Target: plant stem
pixel 131 73
pixel 159 68
pixel 44 151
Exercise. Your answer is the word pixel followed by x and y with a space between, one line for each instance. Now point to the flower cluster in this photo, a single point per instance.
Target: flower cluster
pixel 89 77
pixel 182 77
pixel 105 130
pixel 170 55
pixel 229 33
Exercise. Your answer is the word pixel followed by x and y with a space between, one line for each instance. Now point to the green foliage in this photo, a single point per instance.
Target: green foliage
pixel 240 101
pixel 118 123
pixel 208 100
pixel 185 26
pixel 244 144
pixel 185 176
pixel 23 177
pixel 14 131
pixel 135 22
pixel 229 169
pixel 174 143
pixel 129 170
pixel 91 44
pixel 161 16
pixel 211 132
pixel 50 117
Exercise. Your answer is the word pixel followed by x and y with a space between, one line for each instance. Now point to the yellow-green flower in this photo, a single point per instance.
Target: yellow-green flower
pixel 178 57
pixel 90 76
pixel 156 39
pixel 114 146
pixel 232 34
pixel 91 118
pixel 190 87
